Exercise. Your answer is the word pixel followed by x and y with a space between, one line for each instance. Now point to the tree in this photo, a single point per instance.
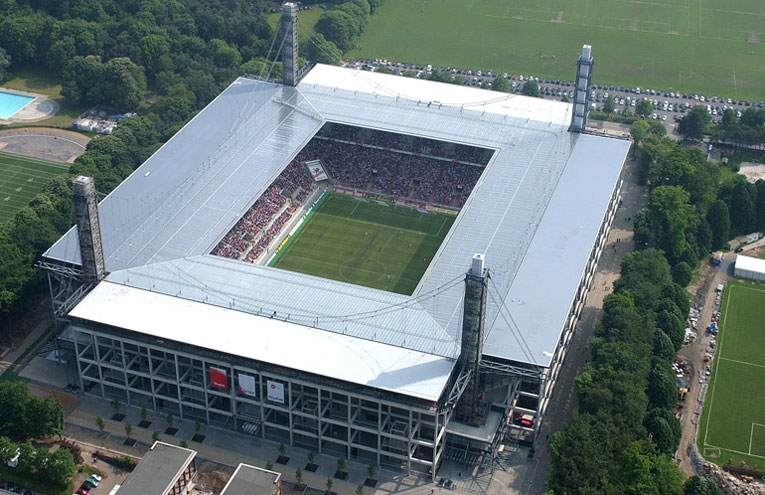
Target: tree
pixel 170 420
pixel 729 118
pixel 500 83
pixel 183 443
pixel 718 218
pixel 670 214
pixel 371 471
pixel 760 204
pixel 663 348
pixel 269 465
pixel 117 406
pixel 694 124
pixel 530 88
pixel 299 475
pixel 359 489
pixel 59 466
pixel 669 323
pixel 582 456
pixel 609 105
pixel 311 456
pixel 664 429
pixel 742 208
pixel 329 484
pixel 123 84
pixel 144 414
pixel 644 471
pixel 282 449
pixel 82 80
pixel 336 26
pixel 641 229
pixel 23 415
pixel 644 108
pixel 7 450
pixel 44 417
pixel 100 424
pixel 321 51
pixel 697 485
pixel 155 436
pixel 682 274
pixel 128 430
pixel 5 63
pixel 340 464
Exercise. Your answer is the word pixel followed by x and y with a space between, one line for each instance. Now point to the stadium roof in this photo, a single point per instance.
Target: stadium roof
pixel 535 213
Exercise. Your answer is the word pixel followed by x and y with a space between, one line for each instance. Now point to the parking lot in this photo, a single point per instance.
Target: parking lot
pixel 668 104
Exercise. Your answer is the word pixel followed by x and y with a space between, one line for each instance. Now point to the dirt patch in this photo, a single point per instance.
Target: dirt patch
pixel 212 477
pixel 634 27
pixel 752 37
pixel 559 17
pixel 752 171
pixel 58 145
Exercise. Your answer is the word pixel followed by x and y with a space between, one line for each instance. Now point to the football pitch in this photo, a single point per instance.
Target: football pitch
pixel 733 420
pixel 21 178
pixel 712 47
pixel 363 242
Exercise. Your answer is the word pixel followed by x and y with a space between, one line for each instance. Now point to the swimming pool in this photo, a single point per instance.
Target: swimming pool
pixel 10 103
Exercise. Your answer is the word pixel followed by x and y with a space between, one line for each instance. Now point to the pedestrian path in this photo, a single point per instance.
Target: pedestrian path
pixel 230 448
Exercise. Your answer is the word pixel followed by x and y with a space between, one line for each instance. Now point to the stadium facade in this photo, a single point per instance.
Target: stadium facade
pixel 466 362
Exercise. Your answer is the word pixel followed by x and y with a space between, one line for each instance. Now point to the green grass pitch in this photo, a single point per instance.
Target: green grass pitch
pixel 712 47
pixel 364 243
pixel 733 419
pixel 21 178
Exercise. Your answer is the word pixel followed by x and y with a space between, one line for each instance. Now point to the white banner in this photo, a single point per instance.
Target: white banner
pixel 275 391
pixel 316 170
pixel 247 385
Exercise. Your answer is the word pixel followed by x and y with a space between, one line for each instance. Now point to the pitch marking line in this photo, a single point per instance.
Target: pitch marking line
pixel 741 362
pixel 751 436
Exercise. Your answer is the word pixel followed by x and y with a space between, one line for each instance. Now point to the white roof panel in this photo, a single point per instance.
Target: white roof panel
pixel 535 212
pixel 351 359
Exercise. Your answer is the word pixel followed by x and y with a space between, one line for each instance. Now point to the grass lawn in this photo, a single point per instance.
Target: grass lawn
pixel 36 80
pixel 306 21
pixel 362 242
pixel 733 419
pixel 711 46
pixel 21 178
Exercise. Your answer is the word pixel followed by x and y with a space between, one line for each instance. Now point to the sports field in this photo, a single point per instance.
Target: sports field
pixel 733 420
pixel 362 242
pixel 712 47
pixel 21 178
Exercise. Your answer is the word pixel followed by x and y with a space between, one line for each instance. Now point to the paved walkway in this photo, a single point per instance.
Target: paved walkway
pixel 229 448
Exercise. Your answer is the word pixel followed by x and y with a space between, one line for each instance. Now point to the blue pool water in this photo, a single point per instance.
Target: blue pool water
pixel 11 103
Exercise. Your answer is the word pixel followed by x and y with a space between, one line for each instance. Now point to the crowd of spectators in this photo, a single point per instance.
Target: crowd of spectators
pixel 384 169
pixel 396 165
pixel 252 234
pixel 402 142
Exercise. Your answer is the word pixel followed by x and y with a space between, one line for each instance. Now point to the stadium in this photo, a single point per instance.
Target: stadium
pixel 169 298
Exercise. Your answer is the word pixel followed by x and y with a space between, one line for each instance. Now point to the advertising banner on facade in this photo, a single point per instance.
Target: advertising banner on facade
pixel 247 385
pixel 275 391
pixel 218 378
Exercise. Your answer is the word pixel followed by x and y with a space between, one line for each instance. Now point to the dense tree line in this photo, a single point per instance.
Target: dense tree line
pixel 622 437
pixel 694 207
pixel 746 130
pixel 111 52
pixel 23 415
pixel 343 23
pixel 55 467
pixel 108 159
pixel 749 129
